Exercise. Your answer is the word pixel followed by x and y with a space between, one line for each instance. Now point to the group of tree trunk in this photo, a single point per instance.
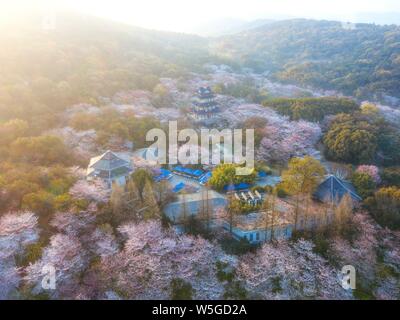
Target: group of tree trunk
pixel 140 199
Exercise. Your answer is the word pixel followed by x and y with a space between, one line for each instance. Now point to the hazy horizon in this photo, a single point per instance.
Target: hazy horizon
pixel 190 16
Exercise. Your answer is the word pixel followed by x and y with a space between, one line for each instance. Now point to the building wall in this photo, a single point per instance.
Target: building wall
pixel 260 235
pixel 109 182
pixel 174 211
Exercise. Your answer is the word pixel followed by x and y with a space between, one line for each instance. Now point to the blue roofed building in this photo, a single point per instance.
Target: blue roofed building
pixel 164 174
pixel 188 172
pixel 204 179
pixel 237 187
pixel 332 190
pixel 178 187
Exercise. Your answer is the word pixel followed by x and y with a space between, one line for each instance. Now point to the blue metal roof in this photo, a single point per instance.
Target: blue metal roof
pixel 178 187
pixel 204 179
pixel 234 187
pixel 191 172
pixel 262 174
pixel 164 174
pixel 165 171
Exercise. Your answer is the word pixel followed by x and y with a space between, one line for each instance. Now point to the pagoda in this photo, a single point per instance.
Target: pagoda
pixel 110 167
pixel 204 105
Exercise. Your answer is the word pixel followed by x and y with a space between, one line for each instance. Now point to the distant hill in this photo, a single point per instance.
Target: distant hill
pixel 383 18
pixel 228 26
pixel 358 59
pixel 46 66
pixel 81 58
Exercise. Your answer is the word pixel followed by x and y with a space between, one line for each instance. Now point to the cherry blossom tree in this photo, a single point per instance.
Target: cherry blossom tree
pixel 97 240
pixel 362 252
pixel 387 282
pixel 94 191
pixel 77 172
pixel 73 223
pixel 371 170
pixel 17 230
pixel 65 255
pixel 83 143
pixel 284 140
pixel 152 257
pixel 390 114
pixel 377 276
pixel 286 270
pixel 71 252
pixel 103 243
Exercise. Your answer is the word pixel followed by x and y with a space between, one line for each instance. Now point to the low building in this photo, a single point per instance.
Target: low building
pixel 111 167
pixel 249 197
pixel 282 229
pixel 332 190
pixel 258 227
pixel 193 204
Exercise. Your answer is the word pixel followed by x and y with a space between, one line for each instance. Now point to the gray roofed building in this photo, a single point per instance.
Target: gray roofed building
pixel 332 189
pixel 258 227
pixel 192 204
pixel 110 167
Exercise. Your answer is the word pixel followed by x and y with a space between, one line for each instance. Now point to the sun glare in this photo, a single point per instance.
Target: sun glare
pixel 184 15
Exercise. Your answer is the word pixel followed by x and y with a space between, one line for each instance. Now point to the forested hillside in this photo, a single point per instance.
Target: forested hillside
pixel 84 58
pixel 361 60
pixel 102 219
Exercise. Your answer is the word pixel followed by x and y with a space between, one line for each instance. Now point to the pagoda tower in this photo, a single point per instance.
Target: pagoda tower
pixel 204 105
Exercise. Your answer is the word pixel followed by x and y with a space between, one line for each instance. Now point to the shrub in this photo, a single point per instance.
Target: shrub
pixel 181 290
pixel 235 290
pixel 33 253
pixel 62 202
pixel 280 191
pixel 225 174
pixel 237 247
pixel 391 176
pixel 41 202
pixel 364 184
pixel 224 272
pixel 384 206
pixel 372 171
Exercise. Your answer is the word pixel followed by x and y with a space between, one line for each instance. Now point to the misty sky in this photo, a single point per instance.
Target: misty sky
pixel 185 15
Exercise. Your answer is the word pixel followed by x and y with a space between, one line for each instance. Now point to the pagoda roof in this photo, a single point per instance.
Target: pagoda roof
pixel 108 161
pixel 204 112
pixel 204 103
pixel 205 92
